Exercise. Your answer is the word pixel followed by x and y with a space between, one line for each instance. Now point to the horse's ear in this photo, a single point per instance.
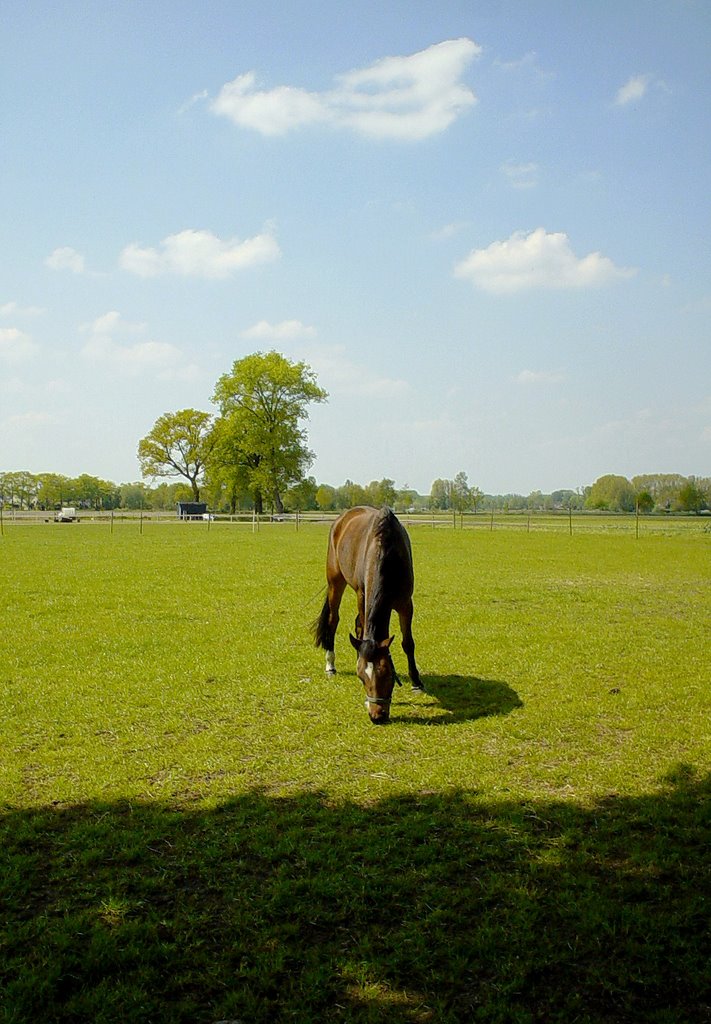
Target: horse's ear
pixel 386 643
pixel 355 643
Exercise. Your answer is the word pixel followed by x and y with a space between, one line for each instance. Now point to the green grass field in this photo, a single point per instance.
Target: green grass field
pixel 198 826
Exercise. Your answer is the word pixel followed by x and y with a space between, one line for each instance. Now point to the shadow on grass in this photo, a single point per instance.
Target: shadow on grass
pixel 464 698
pixel 441 908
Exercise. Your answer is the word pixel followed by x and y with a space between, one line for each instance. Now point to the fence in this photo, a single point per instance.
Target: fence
pixel 559 521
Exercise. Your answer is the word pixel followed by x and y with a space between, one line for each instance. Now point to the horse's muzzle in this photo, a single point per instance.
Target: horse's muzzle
pixel 381 718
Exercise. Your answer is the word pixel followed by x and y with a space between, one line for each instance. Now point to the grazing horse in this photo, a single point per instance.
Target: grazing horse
pixel 369 550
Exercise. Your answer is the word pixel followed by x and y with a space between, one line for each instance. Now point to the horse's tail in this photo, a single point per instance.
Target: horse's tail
pixel 323 635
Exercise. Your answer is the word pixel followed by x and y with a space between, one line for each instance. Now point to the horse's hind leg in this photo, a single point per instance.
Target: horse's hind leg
pixel 408 644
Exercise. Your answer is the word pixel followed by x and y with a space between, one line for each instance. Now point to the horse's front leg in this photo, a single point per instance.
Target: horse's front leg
pixel 327 623
pixel 408 645
pixel 360 617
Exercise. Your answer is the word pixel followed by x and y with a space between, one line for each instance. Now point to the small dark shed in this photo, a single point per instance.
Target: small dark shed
pixel 192 509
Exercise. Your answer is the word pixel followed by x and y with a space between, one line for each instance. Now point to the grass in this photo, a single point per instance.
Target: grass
pixel 198 826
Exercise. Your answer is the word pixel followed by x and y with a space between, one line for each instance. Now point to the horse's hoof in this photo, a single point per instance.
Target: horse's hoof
pixel 330 672
pixel 418 688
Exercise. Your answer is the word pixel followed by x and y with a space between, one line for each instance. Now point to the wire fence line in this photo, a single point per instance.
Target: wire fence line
pixel 558 521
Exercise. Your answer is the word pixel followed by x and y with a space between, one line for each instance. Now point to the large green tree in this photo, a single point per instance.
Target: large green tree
pixel 612 493
pixel 179 444
pixel 263 401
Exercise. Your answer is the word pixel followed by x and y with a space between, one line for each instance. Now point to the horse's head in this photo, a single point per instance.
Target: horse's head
pixel 376 671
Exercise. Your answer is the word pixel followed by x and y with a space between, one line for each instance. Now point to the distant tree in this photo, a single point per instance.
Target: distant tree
pixel 179 444
pixel 135 496
pixel 512 502
pixel 350 495
pixel 91 492
pixel 20 489
pixel 441 494
pixel 475 497
pixel 562 498
pixel 166 496
pixel 612 493
pixel 691 497
pixel 645 502
pixel 54 490
pixel 460 493
pixel 664 487
pixel 302 496
pixel 326 498
pixel 381 492
pixel 262 402
pixel 406 498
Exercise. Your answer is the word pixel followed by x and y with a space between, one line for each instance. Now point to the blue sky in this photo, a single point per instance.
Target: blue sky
pixel 484 225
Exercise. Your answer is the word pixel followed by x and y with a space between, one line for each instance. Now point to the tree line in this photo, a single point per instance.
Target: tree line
pixel 656 493
pixel 647 493
pixel 253 454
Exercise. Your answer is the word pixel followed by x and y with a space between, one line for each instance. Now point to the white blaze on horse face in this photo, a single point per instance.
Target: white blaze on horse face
pixel 330 663
pixel 369 669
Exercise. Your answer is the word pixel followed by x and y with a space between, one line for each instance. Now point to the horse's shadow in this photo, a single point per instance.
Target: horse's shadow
pixel 463 698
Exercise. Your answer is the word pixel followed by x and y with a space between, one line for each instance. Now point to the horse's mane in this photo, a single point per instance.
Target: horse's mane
pixel 386 524
pixel 386 531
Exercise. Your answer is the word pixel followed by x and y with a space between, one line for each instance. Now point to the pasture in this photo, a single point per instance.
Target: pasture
pixel 198 826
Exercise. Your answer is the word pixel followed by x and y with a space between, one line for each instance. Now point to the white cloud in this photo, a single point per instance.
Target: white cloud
pixel 536 377
pixel 197 97
pixel 66 258
pixel 520 175
pixel 15 309
pixel 405 98
pixel 448 231
pixel 110 322
pixel 107 345
pixel 15 345
pixel 193 253
pixel 272 113
pixel 340 375
pixel 29 420
pixel 286 330
pixel 634 89
pixel 529 60
pixel 536 260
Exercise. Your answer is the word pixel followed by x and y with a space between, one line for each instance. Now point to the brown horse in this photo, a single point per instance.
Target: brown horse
pixel 369 550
